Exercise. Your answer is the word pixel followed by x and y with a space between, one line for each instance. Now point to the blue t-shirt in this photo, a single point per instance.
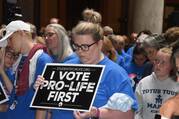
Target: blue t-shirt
pixel 22 110
pixel 120 59
pixel 11 76
pixel 114 79
pixel 131 50
pixel 70 57
pixel 135 72
pixel 132 68
pixel 127 57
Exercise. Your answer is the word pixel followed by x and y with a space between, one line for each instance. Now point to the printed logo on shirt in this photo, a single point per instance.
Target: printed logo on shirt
pixel 158 96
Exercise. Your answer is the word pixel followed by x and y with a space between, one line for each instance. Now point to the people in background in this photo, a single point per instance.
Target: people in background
pixel 54 20
pixel 119 44
pixel 137 66
pixel 108 30
pixel 109 50
pixel 58 44
pixel 151 46
pixel 91 15
pixel 153 90
pixel 139 39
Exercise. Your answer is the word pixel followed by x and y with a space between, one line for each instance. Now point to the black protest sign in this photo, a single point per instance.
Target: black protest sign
pixel 68 86
pixel 3 96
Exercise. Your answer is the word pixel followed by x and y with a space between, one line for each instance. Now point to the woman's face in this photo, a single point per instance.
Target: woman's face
pixel 92 52
pixel 51 38
pixel 14 42
pixel 9 58
pixel 151 53
pixel 139 59
pixel 162 65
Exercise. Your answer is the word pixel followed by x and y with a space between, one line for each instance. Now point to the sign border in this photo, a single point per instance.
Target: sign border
pixel 59 64
pixel 6 99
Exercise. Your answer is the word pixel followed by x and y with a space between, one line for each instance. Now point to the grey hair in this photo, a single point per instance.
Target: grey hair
pixel 64 48
pixel 154 41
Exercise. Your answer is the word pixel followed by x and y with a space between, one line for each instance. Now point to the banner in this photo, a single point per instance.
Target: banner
pixel 68 86
pixel 3 95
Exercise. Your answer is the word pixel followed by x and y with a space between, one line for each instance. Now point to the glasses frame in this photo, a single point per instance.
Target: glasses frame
pixel 49 34
pixel 160 62
pixel 83 47
pixel 11 55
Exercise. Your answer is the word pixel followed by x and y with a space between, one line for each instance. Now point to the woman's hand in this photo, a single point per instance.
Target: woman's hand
pixel 39 82
pixel 83 115
pixel 170 107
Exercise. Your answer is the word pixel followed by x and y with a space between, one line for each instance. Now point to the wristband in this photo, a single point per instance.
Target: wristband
pixel 98 113
pixel 164 117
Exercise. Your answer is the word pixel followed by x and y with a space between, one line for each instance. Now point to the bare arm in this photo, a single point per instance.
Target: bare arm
pixel 7 82
pixel 115 114
pixel 41 114
pixel 105 113
pixel 170 107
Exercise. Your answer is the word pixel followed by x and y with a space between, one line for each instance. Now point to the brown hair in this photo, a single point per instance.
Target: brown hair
pixel 109 48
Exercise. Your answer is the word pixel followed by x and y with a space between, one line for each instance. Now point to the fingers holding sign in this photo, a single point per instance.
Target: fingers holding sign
pixel 94 112
pixel 39 82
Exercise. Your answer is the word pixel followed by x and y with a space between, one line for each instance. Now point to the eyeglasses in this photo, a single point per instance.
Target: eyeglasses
pixel 11 55
pixel 49 34
pixel 83 47
pixel 161 62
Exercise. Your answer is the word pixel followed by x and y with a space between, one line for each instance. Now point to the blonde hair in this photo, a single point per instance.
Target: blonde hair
pixel 64 48
pixel 83 28
pixel 167 50
pixel 40 40
pixel 92 16
pixel 108 30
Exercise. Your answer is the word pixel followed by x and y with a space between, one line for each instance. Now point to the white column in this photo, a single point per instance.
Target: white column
pixel 146 14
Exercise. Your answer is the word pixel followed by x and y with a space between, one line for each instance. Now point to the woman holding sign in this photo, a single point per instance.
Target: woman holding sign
pixel 115 97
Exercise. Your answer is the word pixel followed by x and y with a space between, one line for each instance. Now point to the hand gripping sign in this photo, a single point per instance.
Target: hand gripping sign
pixel 68 86
pixel 3 95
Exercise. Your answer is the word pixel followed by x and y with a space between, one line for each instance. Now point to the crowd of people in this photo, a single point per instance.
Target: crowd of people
pixel 140 79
